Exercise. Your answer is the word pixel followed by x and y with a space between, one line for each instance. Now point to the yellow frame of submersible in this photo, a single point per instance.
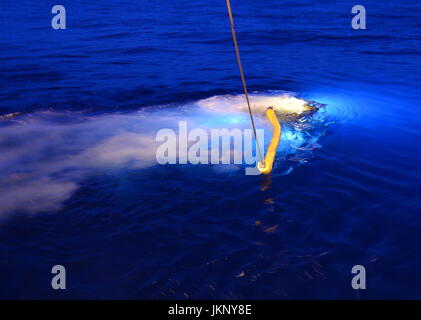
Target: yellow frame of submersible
pixel 266 165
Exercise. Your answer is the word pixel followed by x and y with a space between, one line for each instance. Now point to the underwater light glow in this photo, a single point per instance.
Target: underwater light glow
pixel 282 103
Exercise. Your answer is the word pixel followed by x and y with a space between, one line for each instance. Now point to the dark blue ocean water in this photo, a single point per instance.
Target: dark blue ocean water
pixel 78 186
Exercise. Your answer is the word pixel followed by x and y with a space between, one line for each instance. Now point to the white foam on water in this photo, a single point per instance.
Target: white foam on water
pixel 283 103
pixel 44 156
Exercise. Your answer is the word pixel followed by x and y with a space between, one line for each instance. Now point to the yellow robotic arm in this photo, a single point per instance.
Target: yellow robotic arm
pixel 265 167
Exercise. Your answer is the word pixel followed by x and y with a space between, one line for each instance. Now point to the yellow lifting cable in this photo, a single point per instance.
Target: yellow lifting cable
pixel 266 164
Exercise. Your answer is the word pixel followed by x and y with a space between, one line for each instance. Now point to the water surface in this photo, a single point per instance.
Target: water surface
pixel 79 185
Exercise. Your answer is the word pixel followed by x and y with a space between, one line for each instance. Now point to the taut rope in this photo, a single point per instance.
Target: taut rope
pixel 234 38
